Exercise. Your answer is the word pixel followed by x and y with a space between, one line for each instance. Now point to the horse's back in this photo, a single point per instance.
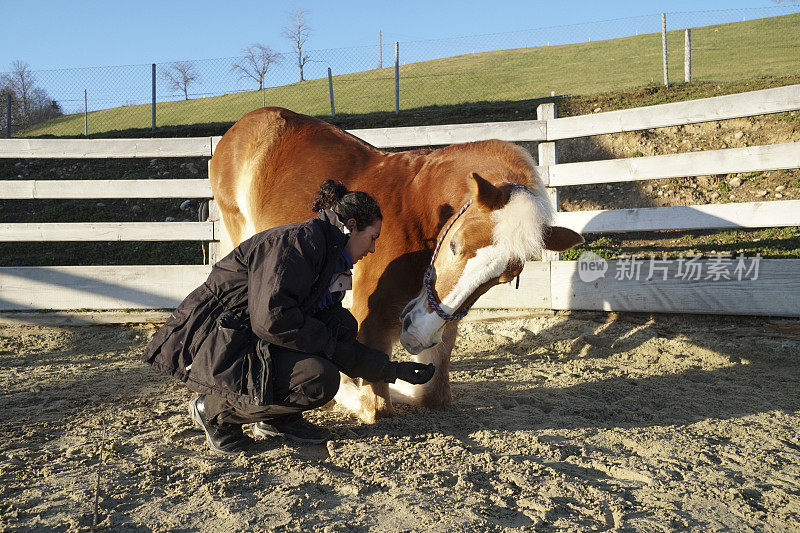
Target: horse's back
pixel 268 166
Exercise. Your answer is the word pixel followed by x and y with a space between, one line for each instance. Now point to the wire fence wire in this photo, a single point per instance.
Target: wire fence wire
pixel 727 45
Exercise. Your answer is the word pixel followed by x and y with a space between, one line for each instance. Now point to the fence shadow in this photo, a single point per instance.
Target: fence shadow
pixel 746 378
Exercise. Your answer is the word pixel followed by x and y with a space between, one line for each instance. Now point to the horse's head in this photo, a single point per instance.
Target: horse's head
pixel 486 243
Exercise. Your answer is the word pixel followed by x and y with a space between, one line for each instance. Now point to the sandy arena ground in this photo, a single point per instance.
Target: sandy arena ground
pixel 576 422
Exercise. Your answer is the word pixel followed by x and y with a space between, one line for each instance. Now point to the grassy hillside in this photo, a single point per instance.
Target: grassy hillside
pixel 722 53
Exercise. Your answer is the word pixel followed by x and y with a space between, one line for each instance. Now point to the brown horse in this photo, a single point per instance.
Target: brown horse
pixel 481 202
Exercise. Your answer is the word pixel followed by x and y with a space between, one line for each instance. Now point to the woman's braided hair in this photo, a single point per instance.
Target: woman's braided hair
pixel 347 204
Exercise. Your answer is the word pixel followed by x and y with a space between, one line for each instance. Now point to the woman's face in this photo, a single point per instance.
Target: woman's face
pixel 362 242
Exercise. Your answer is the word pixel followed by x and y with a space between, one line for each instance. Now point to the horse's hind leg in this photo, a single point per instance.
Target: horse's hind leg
pixel 375 402
pixel 436 392
pixel 368 401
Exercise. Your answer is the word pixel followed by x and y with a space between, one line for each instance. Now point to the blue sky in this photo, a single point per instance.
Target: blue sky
pixel 60 34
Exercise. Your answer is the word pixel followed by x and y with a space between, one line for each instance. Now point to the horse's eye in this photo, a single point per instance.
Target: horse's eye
pixel 453 247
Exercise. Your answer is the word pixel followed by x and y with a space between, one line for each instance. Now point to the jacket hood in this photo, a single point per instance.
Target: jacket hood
pixel 330 216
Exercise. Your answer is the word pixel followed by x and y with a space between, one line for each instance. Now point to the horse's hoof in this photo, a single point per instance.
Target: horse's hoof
pixel 438 399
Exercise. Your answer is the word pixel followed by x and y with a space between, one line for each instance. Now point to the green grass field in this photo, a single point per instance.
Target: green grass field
pixel 723 53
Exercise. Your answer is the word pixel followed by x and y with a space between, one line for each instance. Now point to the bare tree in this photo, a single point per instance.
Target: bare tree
pixel 179 75
pixel 29 103
pixel 256 62
pixel 42 107
pixel 298 31
pixel 20 83
pixel 4 92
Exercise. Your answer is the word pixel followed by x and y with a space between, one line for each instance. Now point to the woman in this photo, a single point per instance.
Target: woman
pixel 264 338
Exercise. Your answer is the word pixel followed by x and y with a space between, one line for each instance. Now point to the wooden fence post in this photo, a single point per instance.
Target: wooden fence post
pixel 330 90
pixel 664 47
pixel 214 216
pixel 214 246
pixel 548 156
pixel 687 56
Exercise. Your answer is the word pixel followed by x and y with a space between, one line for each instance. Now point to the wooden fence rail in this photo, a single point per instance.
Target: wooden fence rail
pixel 548 284
pixel 107 231
pixel 105 148
pixel 728 161
pixel 740 105
pixel 92 189
pixel 714 216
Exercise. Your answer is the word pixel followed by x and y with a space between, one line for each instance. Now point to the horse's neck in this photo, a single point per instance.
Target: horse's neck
pixel 421 190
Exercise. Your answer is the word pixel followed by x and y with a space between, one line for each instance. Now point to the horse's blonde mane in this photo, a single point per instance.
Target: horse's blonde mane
pixel 519 225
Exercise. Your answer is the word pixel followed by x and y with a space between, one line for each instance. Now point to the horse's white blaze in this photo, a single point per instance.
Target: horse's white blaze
pixel 489 262
pixel 518 235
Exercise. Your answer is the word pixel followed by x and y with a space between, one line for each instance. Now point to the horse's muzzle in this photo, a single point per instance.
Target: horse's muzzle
pixel 411 343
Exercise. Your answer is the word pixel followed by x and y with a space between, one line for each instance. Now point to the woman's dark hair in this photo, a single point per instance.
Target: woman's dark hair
pixel 347 204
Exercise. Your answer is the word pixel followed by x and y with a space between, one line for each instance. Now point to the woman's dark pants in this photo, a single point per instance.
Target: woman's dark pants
pixel 301 381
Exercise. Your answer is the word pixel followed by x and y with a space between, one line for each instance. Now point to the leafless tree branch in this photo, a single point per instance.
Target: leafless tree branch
pixel 180 75
pixel 256 63
pixel 298 31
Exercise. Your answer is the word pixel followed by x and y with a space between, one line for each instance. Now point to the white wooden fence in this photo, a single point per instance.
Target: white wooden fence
pixel 662 286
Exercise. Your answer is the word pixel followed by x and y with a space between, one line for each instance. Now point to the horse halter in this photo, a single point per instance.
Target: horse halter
pixel 426 281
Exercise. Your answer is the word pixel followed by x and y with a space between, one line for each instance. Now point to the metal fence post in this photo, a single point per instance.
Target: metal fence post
pixel 396 78
pixel 664 47
pixel 687 57
pixel 330 90
pixel 154 97
pixel 85 114
pixel 8 116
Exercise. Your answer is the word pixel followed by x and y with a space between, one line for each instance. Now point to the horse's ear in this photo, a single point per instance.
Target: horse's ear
pixel 558 239
pixel 484 192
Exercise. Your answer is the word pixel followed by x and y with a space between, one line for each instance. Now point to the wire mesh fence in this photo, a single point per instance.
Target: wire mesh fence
pixel 589 58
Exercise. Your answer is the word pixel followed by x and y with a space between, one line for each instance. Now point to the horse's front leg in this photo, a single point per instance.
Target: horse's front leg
pixel 436 392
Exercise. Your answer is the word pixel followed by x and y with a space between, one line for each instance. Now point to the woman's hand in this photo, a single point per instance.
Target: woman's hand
pixel 414 373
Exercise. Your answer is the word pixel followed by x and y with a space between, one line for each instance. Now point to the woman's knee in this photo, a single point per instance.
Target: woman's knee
pixel 330 381
pixel 325 382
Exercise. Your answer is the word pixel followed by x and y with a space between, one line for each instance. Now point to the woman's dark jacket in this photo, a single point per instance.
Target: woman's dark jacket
pixel 262 295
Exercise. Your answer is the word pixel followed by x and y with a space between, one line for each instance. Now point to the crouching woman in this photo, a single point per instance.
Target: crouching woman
pixel 265 337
